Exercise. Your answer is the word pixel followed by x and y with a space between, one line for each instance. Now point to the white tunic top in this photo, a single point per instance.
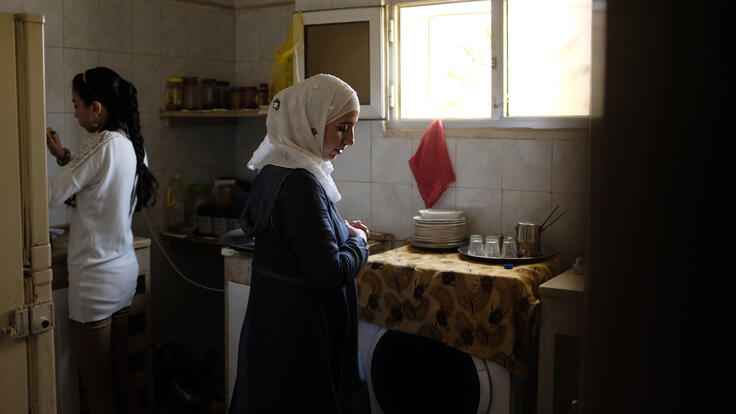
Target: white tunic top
pixel 101 260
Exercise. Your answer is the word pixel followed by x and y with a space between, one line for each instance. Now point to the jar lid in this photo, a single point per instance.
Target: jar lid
pixel 222 83
pixel 250 88
pixel 208 80
pixel 190 81
pixel 263 85
pixel 237 89
pixel 175 79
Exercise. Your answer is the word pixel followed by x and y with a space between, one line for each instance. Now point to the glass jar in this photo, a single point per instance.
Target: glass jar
pixel 197 195
pixel 249 97
pixel 208 93
pixel 236 94
pixel 262 95
pixel 191 93
pixel 173 94
pixel 223 91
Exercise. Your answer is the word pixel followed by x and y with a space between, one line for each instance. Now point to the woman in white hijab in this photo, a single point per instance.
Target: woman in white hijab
pixel 298 346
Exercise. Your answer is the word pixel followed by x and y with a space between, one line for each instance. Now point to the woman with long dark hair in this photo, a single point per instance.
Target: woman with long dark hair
pixel 109 180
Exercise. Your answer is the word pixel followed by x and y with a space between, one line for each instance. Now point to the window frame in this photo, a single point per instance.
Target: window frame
pixel 499 79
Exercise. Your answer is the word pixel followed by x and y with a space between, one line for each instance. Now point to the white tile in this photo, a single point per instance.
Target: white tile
pixel 56 122
pixel 119 62
pixel 146 26
pixel 568 234
pixel 247 35
pixel 529 206
pixel 527 165
pixel 53 12
pixel 115 26
pixel 153 140
pixel 354 164
pixel 446 201
pixel 174 33
pixel 12 6
pixel 76 61
pixel 355 203
pixel 54 79
pixel 224 35
pixel 252 73
pixel 148 80
pixel 478 163
pixel 390 161
pixel 570 166
pixel 275 30
pixel 481 208
pixel 81 24
pixel 391 209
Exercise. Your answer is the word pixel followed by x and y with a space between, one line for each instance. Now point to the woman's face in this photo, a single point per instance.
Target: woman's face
pixel 85 114
pixel 338 135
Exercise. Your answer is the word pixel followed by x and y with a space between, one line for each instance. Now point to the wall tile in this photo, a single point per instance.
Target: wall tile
pixel 76 61
pixel 568 234
pixel 146 26
pixel 527 165
pixel 478 163
pixel 56 122
pixel 174 33
pixel 248 33
pixel 390 161
pixel 356 201
pixel 115 26
pixel 570 166
pixel 274 30
pixel 153 141
pixel 12 6
pixel 355 163
pixel 481 208
pixel 146 76
pixel 531 206
pixel 53 11
pixel 391 209
pixel 81 24
pixel 223 35
pixel 252 72
pixel 446 201
pixel 74 135
pixel 119 62
pixel 54 79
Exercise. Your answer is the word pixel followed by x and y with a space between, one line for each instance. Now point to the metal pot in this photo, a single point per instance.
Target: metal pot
pixel 528 236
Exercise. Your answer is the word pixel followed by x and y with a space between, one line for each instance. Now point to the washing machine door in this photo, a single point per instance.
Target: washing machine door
pixel 412 374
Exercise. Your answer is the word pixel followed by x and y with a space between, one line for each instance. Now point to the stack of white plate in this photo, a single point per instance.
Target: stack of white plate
pixel 438 228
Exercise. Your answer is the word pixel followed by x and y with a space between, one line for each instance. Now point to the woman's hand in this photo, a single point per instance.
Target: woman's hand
pixel 357 229
pixel 53 142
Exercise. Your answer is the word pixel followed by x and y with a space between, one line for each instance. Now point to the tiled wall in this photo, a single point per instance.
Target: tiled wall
pixel 499 181
pixel 145 41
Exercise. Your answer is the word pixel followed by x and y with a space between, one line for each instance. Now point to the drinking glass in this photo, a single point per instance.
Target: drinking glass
pixel 492 248
pixel 508 249
pixel 475 248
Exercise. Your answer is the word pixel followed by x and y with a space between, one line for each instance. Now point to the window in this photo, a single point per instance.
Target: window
pixel 493 60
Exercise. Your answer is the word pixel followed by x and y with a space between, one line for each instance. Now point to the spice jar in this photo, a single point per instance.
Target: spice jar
pixel 249 97
pixel 208 93
pixel 262 95
pixel 223 95
pixel 191 93
pixel 236 93
pixel 173 94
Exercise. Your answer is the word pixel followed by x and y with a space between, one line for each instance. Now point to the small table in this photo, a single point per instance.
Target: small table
pixel 562 314
pixel 481 309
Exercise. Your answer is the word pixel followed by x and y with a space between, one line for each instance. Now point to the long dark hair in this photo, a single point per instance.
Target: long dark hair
pixel 120 98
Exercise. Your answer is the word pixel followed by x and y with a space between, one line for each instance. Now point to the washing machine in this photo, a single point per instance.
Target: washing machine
pixel 412 374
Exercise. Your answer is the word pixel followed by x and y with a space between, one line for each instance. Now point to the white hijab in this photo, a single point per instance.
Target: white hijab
pixel 295 127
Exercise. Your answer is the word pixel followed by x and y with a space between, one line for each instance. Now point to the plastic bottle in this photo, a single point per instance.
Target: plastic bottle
pixel 175 207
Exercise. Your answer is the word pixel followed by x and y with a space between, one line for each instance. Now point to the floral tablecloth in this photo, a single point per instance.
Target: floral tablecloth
pixel 479 308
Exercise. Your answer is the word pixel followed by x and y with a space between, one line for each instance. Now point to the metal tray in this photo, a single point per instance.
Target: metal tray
pixel 437 246
pixel 546 254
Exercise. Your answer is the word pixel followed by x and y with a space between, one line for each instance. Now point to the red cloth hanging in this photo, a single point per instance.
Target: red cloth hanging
pixel 431 164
